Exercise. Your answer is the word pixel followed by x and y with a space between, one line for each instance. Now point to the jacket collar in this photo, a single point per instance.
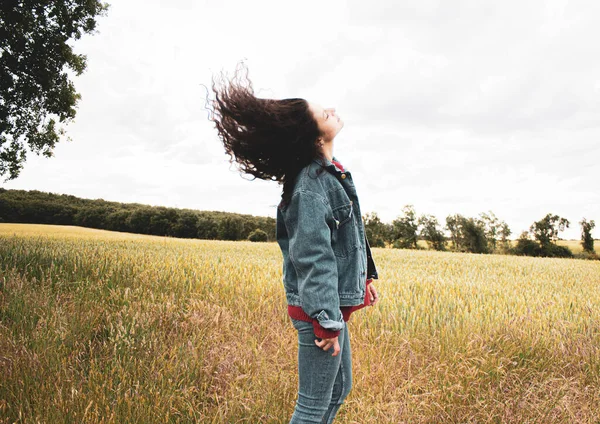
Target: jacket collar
pixel 330 166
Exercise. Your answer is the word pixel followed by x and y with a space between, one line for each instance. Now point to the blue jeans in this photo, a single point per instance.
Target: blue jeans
pixel 324 381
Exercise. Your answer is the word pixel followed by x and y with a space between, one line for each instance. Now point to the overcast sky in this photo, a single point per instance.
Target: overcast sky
pixel 451 106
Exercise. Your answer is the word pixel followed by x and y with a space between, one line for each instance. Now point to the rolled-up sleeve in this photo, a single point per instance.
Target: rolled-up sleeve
pixel 308 221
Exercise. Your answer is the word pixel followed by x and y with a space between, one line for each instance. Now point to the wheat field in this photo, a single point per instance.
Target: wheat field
pixel 106 327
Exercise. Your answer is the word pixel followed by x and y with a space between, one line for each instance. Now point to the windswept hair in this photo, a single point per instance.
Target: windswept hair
pixel 269 139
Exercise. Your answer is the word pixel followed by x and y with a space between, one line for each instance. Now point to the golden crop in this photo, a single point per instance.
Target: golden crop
pixel 105 327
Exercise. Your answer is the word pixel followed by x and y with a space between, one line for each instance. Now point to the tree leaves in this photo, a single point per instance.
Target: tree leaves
pixel 35 57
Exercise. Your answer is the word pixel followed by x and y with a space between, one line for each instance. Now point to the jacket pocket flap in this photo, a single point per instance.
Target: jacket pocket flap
pixel 342 214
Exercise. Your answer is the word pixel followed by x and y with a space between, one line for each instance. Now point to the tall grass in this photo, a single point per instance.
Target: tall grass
pixel 103 327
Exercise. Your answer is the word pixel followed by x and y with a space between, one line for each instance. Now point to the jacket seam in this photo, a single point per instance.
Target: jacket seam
pixel 303 190
pixel 319 197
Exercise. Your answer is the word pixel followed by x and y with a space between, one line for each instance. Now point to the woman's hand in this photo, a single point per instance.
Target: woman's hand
pixel 374 297
pixel 326 344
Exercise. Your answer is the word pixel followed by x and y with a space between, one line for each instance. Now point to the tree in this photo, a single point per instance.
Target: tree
pixel 48 208
pixel 492 227
pixel 162 220
pixel 587 241
pixel 35 58
pixel 208 226
pixel 117 220
pixel 92 217
pixel 467 234
pixel 546 230
pixel 527 247
pixel 505 233
pixel 231 228
pixel 404 229
pixel 453 226
pixel 431 232
pixel 139 220
pixel 377 232
pixel 186 224
pixel 473 235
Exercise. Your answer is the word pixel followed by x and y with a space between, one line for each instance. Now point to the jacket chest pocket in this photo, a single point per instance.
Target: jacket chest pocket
pixel 344 238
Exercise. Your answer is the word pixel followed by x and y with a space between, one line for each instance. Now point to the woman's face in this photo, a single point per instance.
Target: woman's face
pixel 328 121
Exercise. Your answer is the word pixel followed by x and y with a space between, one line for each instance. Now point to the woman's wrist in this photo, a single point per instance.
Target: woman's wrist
pixel 323 333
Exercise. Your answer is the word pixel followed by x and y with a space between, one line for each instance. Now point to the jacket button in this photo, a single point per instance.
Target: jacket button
pixel 343 176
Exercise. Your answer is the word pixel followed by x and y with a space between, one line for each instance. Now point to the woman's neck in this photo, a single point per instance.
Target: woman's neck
pixel 328 150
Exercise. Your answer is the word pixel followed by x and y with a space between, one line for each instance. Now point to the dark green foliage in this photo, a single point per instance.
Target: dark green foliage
pixel 186 225
pixel 474 237
pixel 405 229
pixel 36 55
pixel 491 226
pixel 258 235
pixel 231 228
pixel 526 247
pixel 587 255
pixel 496 232
pixel 139 220
pixel 587 241
pixel 91 216
pixel 208 227
pixel 545 234
pixel 37 207
pixel 377 232
pixel 452 225
pixel 505 233
pixel 546 230
pixel 432 233
pixel 467 234
pixel 162 220
pixel 118 219
pixel 556 251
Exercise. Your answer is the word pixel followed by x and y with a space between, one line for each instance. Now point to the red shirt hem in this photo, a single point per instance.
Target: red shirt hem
pixel 296 312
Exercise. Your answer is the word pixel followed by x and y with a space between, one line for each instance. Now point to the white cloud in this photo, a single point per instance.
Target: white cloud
pixel 454 107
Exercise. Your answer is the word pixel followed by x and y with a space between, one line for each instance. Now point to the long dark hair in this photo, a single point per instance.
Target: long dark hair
pixel 269 139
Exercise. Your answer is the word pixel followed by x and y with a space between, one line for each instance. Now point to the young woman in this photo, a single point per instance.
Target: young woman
pixel 327 263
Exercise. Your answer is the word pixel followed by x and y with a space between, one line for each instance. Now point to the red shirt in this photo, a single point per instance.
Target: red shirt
pixel 296 312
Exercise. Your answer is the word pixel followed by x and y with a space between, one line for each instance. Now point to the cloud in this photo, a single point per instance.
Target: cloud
pixel 454 107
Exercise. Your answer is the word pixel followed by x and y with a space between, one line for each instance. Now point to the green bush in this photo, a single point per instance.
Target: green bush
pixel 258 235
pixel 527 247
pixel 554 251
pixel 593 256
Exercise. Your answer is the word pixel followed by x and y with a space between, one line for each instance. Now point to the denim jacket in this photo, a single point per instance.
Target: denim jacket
pixel 326 256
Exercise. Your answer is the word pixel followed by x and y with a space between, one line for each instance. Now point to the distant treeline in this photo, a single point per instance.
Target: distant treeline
pixel 36 207
pixel 483 234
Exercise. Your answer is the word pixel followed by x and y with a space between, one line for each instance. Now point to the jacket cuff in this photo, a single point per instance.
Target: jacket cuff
pixel 323 333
